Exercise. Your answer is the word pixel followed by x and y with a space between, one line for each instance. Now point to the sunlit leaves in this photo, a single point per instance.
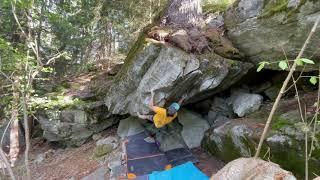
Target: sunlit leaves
pixel 47 69
pixel 283 65
pixel 313 80
pixel 302 61
pixel 307 61
pixel 299 62
pixel 261 65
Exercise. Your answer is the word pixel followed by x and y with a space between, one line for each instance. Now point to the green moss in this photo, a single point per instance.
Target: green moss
pixel 272 7
pixel 56 102
pixel 292 158
pixel 210 6
pixel 229 151
pixel 289 157
pixel 102 150
pixel 279 123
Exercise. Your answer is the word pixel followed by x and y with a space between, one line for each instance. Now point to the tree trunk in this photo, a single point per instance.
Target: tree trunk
pixel 183 13
pixel 14 130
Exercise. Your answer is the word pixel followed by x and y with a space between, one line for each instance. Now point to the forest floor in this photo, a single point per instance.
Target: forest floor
pixel 52 163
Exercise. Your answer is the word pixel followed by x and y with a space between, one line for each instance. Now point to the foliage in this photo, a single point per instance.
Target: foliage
pixel 283 65
pixel 71 37
pixel 54 102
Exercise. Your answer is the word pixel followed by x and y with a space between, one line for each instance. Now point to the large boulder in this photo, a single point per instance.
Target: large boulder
pixel 171 73
pixel 254 169
pixel 284 144
pixel 260 29
pixel 74 126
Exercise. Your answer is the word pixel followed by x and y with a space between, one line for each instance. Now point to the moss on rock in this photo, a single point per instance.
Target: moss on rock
pixel 284 150
pixel 102 150
pixel 211 6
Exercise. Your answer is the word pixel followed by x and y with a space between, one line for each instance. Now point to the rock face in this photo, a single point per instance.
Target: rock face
pixel 254 168
pixel 171 73
pixel 220 110
pixel 74 126
pixel 284 144
pixel 128 127
pixel 193 128
pixel 261 28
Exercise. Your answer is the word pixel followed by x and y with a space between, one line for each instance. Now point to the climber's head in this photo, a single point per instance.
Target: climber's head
pixel 173 109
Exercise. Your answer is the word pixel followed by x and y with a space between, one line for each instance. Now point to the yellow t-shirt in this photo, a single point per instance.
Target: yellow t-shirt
pixel 160 118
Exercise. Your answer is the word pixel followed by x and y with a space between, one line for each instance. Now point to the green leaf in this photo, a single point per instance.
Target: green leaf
pixel 47 69
pixel 261 66
pixel 313 80
pixel 299 62
pixel 307 61
pixel 283 65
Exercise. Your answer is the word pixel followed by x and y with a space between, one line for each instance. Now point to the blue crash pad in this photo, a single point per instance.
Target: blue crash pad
pixel 185 171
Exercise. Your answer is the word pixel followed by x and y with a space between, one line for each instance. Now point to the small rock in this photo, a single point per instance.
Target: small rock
pixel 279 139
pixel 102 150
pixel 220 120
pixel 245 103
pixel 220 107
pixel 113 141
pixel 39 158
pixel 96 137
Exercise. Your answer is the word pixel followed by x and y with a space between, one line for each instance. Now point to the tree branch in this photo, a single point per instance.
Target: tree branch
pixel 284 85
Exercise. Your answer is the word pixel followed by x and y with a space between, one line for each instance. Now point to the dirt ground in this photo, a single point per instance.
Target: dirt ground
pixel 51 163
pixel 207 164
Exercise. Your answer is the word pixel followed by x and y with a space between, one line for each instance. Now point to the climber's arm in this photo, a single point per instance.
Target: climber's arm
pixel 151 103
pixel 182 99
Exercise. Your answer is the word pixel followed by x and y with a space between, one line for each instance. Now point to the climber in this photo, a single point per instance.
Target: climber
pixel 162 116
